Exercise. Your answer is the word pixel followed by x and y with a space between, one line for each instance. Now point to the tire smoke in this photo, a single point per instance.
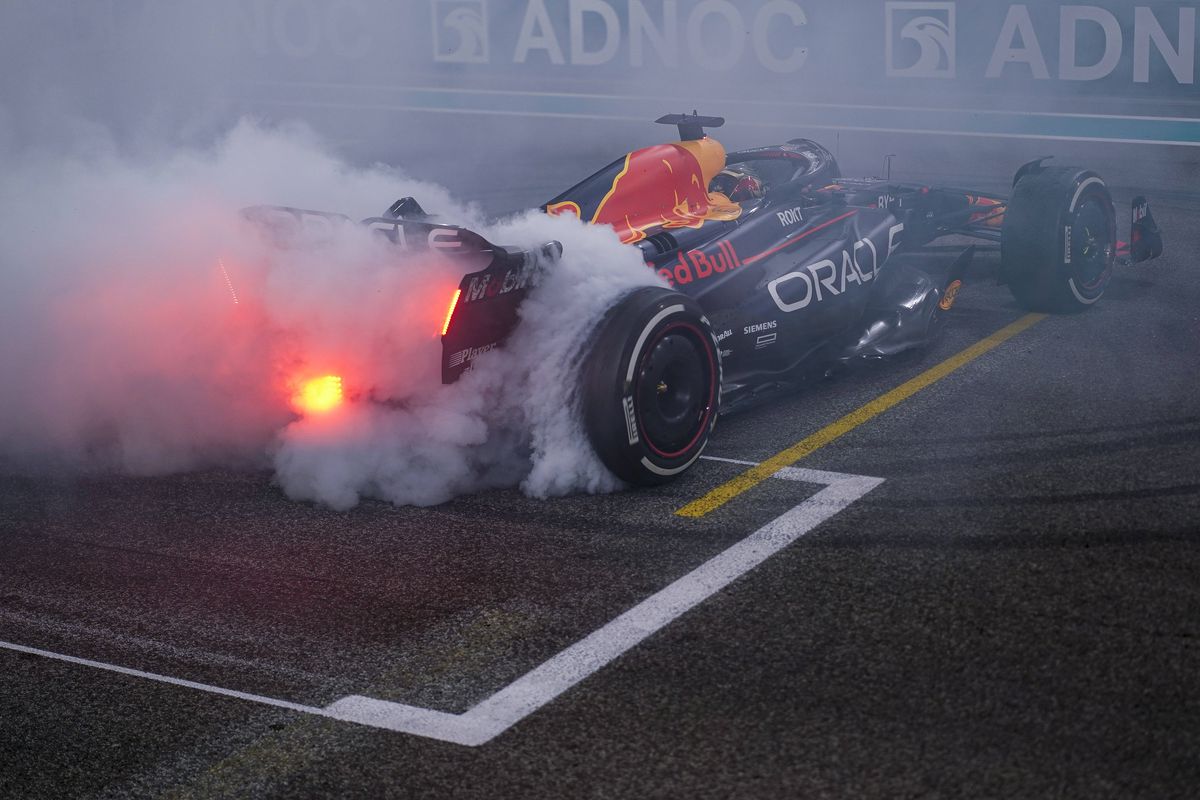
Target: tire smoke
pixel 146 329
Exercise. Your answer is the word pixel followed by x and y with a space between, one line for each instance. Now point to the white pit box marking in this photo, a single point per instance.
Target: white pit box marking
pixel 536 688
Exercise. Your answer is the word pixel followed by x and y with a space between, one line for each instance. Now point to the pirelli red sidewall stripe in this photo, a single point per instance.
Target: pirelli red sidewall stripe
pixel 714 372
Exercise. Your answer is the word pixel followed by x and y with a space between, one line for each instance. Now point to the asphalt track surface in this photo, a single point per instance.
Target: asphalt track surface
pixel 1013 612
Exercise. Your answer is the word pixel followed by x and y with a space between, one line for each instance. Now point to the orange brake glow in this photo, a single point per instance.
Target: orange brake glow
pixel 319 395
pixel 950 295
pixel 450 311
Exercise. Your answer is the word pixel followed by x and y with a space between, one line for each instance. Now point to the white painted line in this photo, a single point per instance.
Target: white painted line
pixel 377 88
pixel 749 123
pixel 799 474
pixel 151 676
pixel 544 683
pixel 144 646
pixel 577 662
pixel 803 475
pixel 465 729
pixel 730 461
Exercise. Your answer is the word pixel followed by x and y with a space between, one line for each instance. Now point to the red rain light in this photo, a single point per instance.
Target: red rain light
pixel 319 395
pixel 450 311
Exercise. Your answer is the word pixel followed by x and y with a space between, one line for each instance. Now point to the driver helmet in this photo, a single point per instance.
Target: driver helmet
pixel 739 182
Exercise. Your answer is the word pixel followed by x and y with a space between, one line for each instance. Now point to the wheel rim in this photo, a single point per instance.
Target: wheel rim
pixel 675 389
pixel 1091 245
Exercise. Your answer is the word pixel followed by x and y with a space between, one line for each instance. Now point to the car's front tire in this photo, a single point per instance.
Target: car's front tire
pixel 1059 240
pixel 651 386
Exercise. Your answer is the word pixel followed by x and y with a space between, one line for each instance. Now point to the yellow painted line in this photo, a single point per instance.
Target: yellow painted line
pixel 756 475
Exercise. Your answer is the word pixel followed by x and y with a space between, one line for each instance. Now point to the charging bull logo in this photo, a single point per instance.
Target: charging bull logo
pixel 665 186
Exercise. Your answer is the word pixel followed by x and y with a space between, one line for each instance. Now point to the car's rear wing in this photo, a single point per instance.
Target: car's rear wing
pixel 412 235
pixel 483 311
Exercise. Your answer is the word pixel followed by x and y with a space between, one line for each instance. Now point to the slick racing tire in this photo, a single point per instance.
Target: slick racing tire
pixel 1059 241
pixel 651 386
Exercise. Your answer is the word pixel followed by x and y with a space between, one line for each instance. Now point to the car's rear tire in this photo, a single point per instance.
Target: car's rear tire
pixel 651 386
pixel 1059 239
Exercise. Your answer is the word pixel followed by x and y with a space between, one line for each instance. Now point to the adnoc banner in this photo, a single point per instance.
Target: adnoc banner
pixel 1119 47
pixel 1105 70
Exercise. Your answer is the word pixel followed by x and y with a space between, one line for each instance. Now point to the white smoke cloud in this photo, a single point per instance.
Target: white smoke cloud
pixel 146 329
pixel 512 419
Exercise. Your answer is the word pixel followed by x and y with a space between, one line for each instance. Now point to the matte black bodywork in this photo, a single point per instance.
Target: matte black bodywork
pixel 818 271
pixel 806 278
pixel 809 272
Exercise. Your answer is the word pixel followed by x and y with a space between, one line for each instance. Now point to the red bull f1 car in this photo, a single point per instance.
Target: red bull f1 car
pixel 775 268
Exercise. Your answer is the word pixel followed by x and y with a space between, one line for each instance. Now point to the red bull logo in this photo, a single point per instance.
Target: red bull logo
pixel 697 266
pixel 665 186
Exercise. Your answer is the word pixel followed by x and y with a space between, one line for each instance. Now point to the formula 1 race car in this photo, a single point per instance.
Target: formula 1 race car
pixel 778 267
